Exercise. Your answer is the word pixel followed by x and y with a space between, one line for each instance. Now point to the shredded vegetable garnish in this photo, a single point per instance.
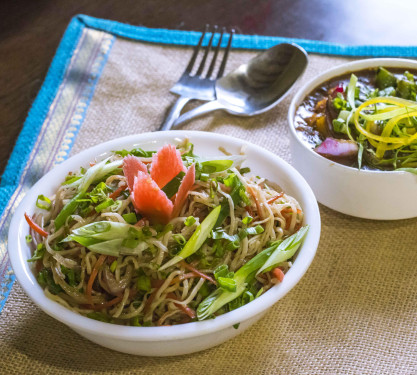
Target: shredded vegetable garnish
pixel 399 130
pixel 163 237
pixel 368 122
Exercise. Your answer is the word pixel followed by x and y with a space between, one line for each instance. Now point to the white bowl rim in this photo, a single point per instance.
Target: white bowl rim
pixel 329 74
pixel 84 324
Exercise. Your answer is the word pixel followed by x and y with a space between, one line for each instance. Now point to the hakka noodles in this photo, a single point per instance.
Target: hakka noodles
pixel 146 238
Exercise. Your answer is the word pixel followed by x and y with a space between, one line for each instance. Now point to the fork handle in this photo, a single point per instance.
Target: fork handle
pixel 174 113
pixel 211 106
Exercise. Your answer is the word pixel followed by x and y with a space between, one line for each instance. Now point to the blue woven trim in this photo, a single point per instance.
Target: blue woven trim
pixel 178 37
pixel 31 128
pixel 38 112
pixel 6 287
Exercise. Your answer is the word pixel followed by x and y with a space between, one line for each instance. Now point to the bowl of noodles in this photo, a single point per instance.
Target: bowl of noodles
pixel 353 136
pixel 164 243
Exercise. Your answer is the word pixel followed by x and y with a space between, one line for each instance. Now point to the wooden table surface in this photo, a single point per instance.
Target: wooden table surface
pixel 30 32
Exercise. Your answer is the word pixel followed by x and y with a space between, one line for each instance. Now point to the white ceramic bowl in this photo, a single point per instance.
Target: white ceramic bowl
pixel 186 338
pixel 379 195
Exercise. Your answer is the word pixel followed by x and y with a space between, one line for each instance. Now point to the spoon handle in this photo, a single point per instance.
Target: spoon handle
pixel 211 106
pixel 174 113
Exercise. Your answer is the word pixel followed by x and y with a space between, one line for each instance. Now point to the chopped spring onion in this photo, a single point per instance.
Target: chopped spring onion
pixel 190 220
pixel 43 202
pixel 171 188
pixel 221 297
pixel 144 282
pixel 213 166
pixel 197 239
pixel 38 254
pixel 247 220
pixel 113 266
pixel 130 218
pixel 94 173
pixel 107 203
pixel 109 238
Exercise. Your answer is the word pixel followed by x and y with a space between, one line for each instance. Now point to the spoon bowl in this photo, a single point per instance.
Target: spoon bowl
pixel 256 86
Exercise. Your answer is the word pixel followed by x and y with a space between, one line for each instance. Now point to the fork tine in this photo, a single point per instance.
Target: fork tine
pixel 208 48
pixel 226 54
pixel 190 65
pixel 216 52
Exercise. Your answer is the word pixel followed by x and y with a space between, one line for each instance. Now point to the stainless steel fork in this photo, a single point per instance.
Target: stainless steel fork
pixel 199 85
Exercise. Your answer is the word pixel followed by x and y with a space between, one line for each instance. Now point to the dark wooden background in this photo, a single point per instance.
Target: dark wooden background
pixel 30 31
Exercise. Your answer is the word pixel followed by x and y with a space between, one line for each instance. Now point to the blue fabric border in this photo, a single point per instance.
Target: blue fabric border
pixel 31 127
pixel 179 37
pixel 38 112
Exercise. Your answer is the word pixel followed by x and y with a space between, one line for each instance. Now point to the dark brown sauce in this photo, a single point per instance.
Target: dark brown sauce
pixel 308 133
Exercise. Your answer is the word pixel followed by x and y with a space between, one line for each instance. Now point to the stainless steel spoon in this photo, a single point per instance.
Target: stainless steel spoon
pixel 257 86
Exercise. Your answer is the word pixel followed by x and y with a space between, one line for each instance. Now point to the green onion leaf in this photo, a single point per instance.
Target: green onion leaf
pixel 113 266
pixel 285 250
pixel 247 220
pixel 102 317
pixel 107 203
pixel 190 220
pixel 171 188
pixel 220 297
pixel 144 282
pixel 94 173
pixel 179 239
pixel 38 254
pixel 45 279
pixel 130 243
pixel 70 179
pixel 130 218
pixel 227 284
pixel 197 239
pixel 135 152
pixel 213 166
pixel 43 202
pixel 244 170
pixel 28 238
pixel 204 177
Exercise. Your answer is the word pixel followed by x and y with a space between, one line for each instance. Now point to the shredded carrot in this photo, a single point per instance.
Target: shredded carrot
pixel 196 271
pixel 92 164
pixel 275 198
pixel 35 226
pixel 100 306
pixel 278 274
pixel 287 212
pixel 117 192
pixel 93 276
pixel 258 206
pixel 185 309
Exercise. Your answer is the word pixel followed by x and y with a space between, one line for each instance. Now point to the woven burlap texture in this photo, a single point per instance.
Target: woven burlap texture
pixel 354 312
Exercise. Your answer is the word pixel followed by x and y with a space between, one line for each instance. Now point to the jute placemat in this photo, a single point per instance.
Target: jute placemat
pixel 354 312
